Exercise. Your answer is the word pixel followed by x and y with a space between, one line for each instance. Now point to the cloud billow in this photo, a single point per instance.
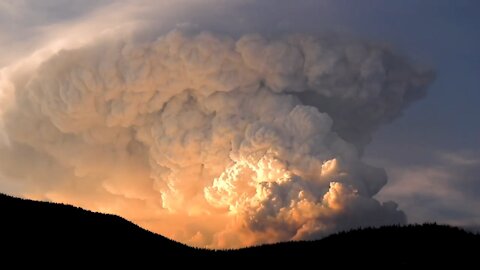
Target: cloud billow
pixel 236 141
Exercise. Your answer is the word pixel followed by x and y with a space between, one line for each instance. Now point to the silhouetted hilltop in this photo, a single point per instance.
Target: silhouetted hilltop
pixel 47 230
pixel 427 243
pixel 30 227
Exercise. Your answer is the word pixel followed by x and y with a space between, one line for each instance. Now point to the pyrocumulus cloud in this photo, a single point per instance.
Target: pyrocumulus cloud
pixel 212 139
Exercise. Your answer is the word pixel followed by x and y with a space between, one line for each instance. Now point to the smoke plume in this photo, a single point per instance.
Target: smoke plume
pixel 210 139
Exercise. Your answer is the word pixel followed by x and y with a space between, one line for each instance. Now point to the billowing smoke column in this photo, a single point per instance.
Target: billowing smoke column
pixel 210 140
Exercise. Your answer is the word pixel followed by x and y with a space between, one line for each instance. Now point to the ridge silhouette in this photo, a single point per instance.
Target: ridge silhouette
pixel 38 229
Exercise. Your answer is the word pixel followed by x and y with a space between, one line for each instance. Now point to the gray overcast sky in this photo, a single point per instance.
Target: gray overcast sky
pixel 431 153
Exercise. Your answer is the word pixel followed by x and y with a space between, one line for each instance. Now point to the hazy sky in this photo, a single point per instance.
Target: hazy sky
pixel 431 153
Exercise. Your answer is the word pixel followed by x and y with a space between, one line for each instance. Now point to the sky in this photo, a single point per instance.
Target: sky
pixel 442 126
pixel 228 128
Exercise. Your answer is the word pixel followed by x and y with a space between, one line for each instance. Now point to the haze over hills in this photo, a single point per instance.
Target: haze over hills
pixel 45 230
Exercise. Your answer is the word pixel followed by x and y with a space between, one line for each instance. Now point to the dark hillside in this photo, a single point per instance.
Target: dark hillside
pixel 46 231
pixel 35 227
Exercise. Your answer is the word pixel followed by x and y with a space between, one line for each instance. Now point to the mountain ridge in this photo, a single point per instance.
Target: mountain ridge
pixel 33 228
